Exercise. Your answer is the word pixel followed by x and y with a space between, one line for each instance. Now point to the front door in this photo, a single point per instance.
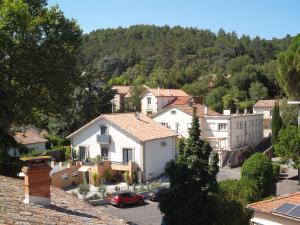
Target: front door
pixel 104 153
pixel 127 155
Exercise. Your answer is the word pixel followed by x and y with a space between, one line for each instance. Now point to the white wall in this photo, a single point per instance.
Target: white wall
pixel 249 136
pixel 144 104
pixel 183 119
pixel 269 218
pixel 119 140
pixel 156 156
pixel 157 103
pixel 267 111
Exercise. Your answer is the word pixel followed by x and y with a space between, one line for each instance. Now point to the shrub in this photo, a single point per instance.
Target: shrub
pixel 258 168
pixel 107 175
pixel 276 170
pixel 127 178
pixel 84 188
pixel 94 177
pixel 244 190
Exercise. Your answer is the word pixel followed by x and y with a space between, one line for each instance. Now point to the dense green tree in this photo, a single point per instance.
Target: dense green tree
pixel 276 122
pixel 257 91
pixel 289 113
pixel 38 48
pixel 288 146
pixel 214 99
pixel 233 197
pixel 192 182
pixel 258 169
pixel 289 69
pixel 38 63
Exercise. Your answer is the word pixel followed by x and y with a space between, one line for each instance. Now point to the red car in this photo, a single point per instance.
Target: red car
pixel 121 199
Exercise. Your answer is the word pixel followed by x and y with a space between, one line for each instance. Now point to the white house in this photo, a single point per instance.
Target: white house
pixel 127 137
pixel 265 107
pixel 230 135
pixel 155 99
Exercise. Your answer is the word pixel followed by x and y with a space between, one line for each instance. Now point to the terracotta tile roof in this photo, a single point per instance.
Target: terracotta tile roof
pixel 268 206
pixel 265 103
pixel 200 110
pixel 123 90
pixel 182 100
pixel 30 136
pixel 64 208
pixel 166 92
pixel 143 129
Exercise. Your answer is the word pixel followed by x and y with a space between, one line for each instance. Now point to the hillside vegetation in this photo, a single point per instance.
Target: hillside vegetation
pixel 226 70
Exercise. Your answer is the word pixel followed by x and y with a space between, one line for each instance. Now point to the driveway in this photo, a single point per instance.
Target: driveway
pixel 227 173
pixel 147 214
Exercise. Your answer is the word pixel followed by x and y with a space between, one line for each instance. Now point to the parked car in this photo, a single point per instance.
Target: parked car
pixel 153 194
pixel 121 199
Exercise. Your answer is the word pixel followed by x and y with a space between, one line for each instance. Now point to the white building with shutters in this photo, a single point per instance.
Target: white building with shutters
pixel 228 134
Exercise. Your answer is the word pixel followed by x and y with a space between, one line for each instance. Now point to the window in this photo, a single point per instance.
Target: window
pixel 103 129
pixel 173 112
pixel 241 125
pixel 127 155
pixel 163 143
pixel 222 126
pixel 252 123
pixel 237 139
pixel 177 127
pixel 82 153
pixel 104 153
pixel 149 101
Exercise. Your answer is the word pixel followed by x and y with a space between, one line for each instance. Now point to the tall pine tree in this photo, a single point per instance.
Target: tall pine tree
pixel 276 123
pixel 193 185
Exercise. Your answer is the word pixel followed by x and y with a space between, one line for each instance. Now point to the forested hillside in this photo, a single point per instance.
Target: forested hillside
pixel 226 70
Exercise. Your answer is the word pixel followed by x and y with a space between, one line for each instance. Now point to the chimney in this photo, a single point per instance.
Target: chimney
pixel 237 110
pixel 169 92
pixel 205 110
pixel 37 180
pixel 245 111
pixel 158 91
pixel 226 112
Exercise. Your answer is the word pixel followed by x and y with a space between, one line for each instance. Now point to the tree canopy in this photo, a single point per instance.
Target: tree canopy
pixel 38 60
pixel 289 69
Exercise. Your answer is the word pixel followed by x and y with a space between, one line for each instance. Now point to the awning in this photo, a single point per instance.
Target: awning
pixel 84 168
pixel 259 221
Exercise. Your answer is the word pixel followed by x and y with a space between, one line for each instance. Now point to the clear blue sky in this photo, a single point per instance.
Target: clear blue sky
pixel 265 18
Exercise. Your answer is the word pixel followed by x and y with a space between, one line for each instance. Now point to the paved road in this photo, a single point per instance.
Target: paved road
pixel 226 173
pixel 147 214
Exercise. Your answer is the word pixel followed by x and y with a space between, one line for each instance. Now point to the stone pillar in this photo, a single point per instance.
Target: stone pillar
pixel 37 182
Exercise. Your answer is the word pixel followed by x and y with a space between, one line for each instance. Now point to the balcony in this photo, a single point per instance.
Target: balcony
pixel 103 139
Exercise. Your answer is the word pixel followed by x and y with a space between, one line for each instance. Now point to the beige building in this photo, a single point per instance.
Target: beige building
pixel 282 210
pixel 155 99
pixel 265 107
pixel 118 102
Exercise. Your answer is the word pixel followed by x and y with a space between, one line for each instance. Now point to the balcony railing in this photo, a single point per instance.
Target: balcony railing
pixel 103 139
